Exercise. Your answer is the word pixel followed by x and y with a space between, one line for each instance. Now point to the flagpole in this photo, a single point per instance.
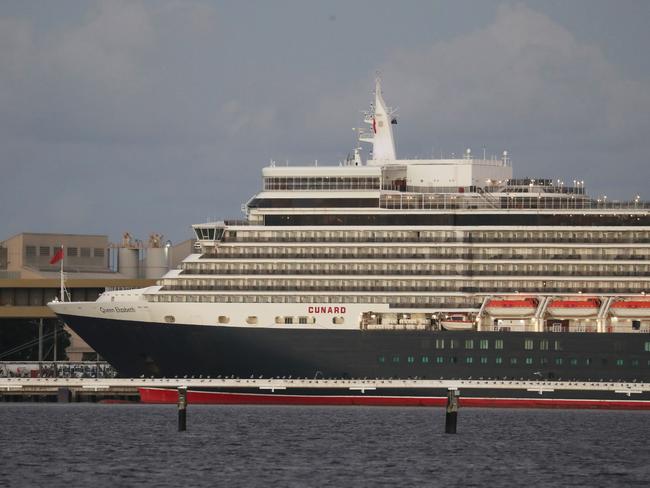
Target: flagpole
pixel 62 282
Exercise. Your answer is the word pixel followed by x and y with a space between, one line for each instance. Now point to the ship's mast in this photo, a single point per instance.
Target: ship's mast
pixel 380 118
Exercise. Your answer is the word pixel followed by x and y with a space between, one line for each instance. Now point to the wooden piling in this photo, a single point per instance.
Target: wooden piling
pixel 182 408
pixel 451 416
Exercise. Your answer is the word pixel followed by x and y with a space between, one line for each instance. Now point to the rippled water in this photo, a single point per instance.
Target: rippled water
pixel 128 445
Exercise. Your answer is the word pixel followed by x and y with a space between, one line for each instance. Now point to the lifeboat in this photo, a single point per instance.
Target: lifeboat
pixel 457 322
pixel 632 308
pixel 511 307
pixel 573 308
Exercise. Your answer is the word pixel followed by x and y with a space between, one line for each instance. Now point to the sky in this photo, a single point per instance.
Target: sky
pixel 148 116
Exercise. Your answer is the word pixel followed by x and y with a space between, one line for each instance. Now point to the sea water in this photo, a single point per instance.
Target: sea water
pixel 139 445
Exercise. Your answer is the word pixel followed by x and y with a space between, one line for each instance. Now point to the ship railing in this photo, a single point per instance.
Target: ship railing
pixel 476 200
pixel 236 222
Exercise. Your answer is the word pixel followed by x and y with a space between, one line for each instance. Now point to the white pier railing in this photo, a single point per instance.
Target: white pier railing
pixel 105 384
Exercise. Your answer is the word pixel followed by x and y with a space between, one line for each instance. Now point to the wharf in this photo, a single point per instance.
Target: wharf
pixel 126 389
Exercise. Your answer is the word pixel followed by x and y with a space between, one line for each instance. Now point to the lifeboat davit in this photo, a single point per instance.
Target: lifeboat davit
pixel 632 308
pixel 457 322
pixel 511 307
pixel 573 307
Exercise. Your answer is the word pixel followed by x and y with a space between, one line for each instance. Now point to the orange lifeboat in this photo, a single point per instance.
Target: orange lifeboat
pixel 573 308
pixel 632 308
pixel 511 307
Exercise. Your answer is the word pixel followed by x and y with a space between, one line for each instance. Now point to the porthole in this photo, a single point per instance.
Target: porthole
pixel 279 319
pixel 338 320
pixel 251 320
pixel 223 319
pixel 170 319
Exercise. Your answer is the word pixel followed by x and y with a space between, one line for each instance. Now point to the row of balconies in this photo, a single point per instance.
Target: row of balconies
pixel 224 254
pixel 392 289
pixel 416 272
pixel 446 240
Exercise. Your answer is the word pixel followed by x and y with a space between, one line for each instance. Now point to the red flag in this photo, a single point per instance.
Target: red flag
pixel 58 256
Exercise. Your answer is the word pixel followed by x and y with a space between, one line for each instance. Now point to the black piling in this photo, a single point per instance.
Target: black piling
pixel 182 408
pixel 452 412
pixel 63 395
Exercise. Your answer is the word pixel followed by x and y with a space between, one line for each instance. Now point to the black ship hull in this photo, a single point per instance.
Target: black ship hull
pixel 176 350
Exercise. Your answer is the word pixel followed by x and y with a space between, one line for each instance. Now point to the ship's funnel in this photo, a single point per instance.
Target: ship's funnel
pixel 381 122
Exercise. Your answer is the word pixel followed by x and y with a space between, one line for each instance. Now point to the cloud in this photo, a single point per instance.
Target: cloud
pixel 523 81
pixel 104 77
pixel 172 107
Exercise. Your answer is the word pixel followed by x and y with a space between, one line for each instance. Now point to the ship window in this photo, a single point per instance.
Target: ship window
pixel 170 319
pixel 252 319
pixel 647 347
pixel 498 360
pixel 440 343
pixel 453 344
pixel 381 359
pixel 635 362
pixel 410 359
pixel 453 360
pixel 288 320
pixel 469 344
pixel 469 359
pixel 588 361
pixel 528 344
pixel 484 344
pixel 574 362
pixel 424 359
pixel 620 362
pixel 440 360
pixel 302 320
pixel 338 320
pixel 513 360
pixel 558 361
pixel 557 346
pixel 498 344
pixel 529 360
pixel 543 345
pixel 395 359
pixel 223 319
pixel 279 320
pixel 543 360
pixel 484 360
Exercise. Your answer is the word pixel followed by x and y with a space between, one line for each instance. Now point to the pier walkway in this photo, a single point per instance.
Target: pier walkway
pixel 94 389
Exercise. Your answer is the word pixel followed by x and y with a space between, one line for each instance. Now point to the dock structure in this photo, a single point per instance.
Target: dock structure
pixel 94 389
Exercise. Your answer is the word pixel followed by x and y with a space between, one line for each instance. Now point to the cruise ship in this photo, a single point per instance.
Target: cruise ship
pixel 394 268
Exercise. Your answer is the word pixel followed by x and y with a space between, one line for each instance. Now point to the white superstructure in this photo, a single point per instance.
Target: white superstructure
pixel 406 244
